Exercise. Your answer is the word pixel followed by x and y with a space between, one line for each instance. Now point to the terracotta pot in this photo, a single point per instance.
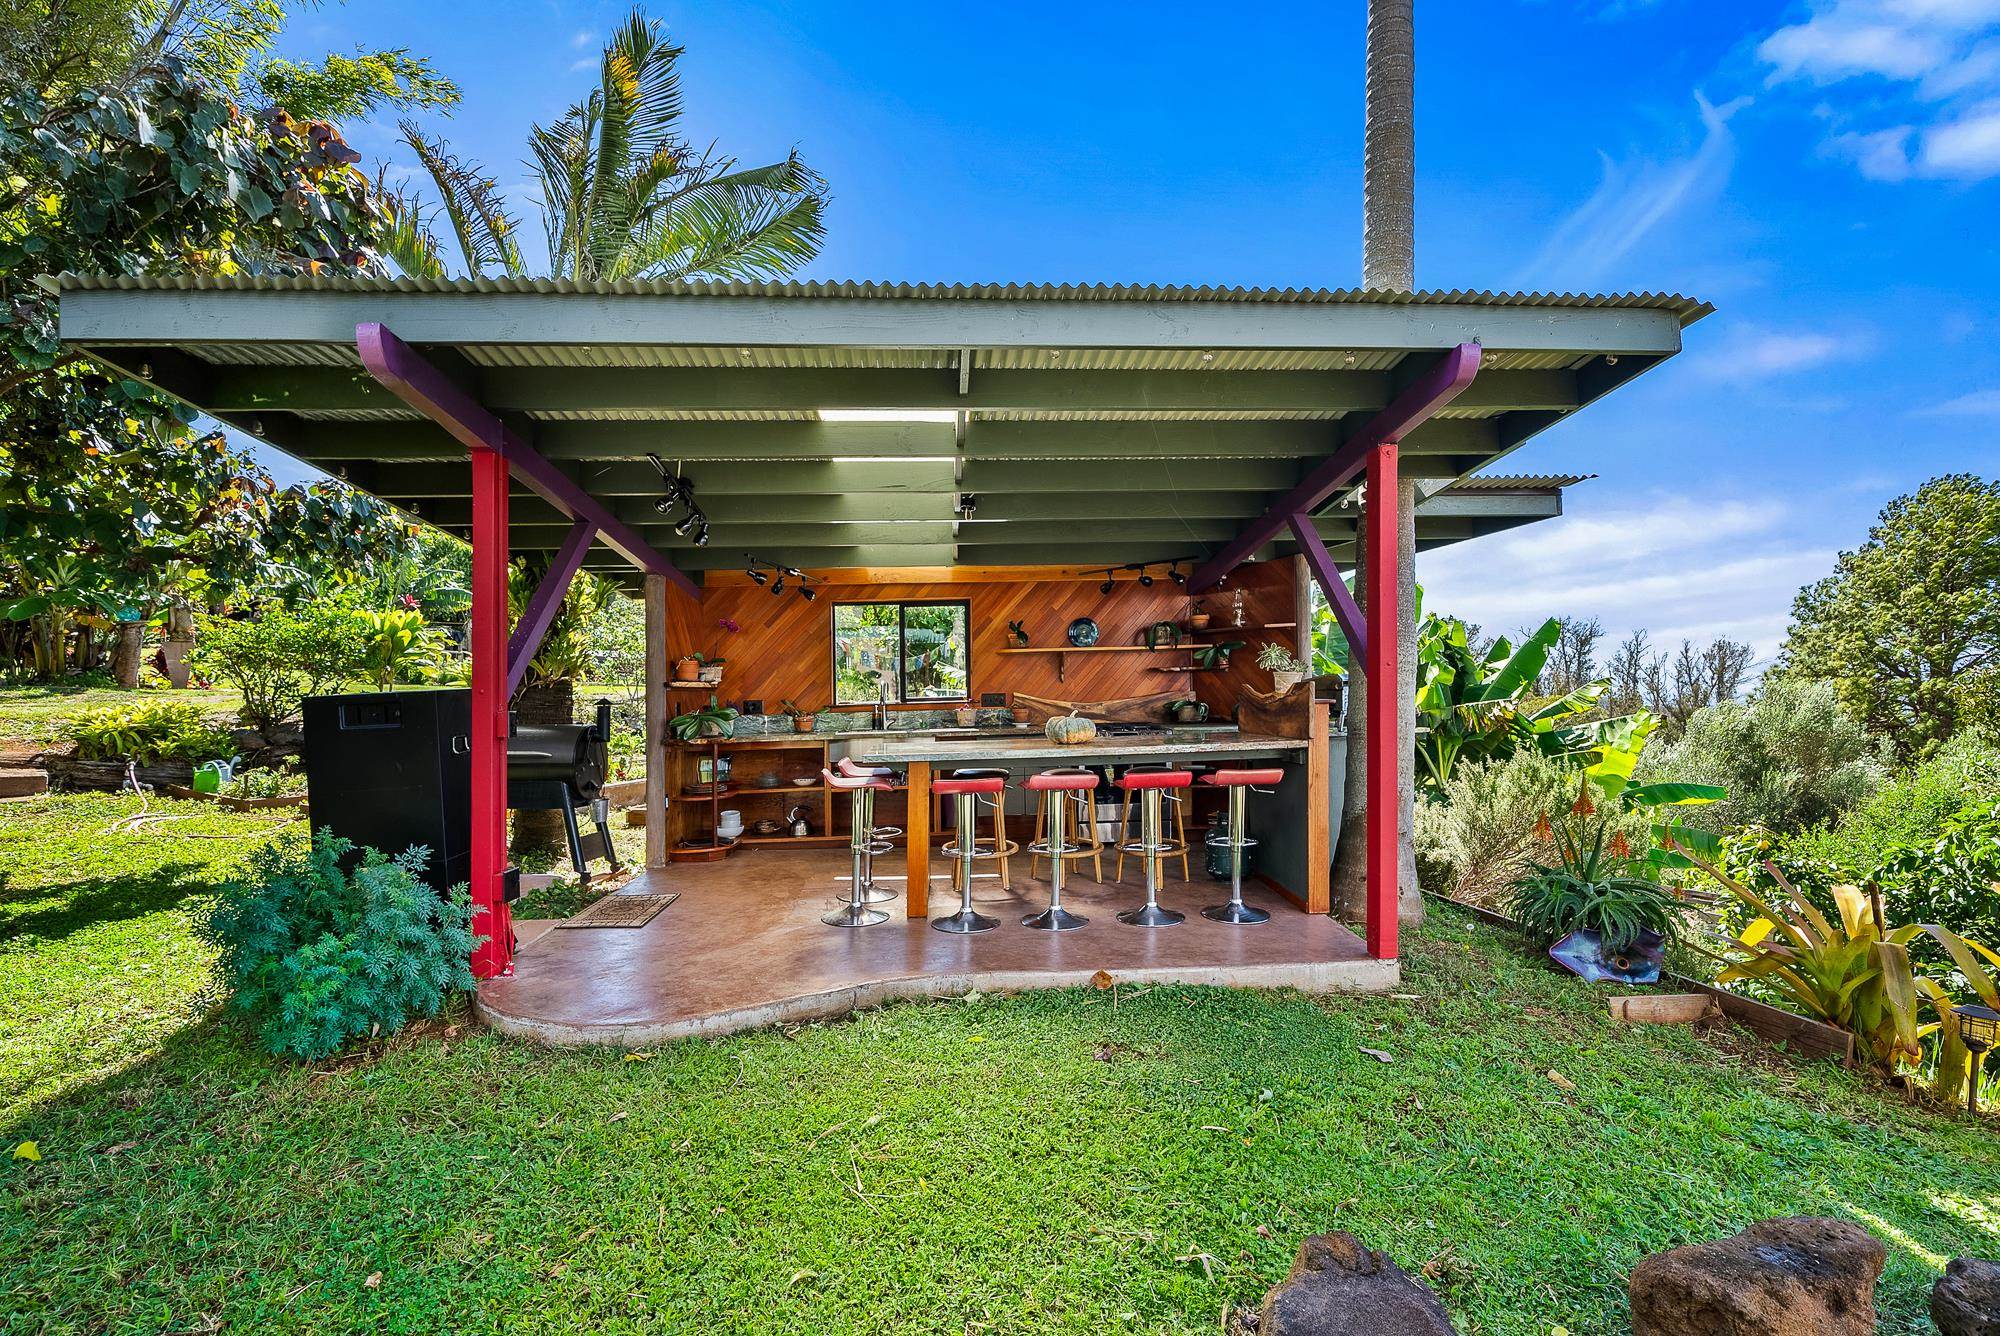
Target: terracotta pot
pixel 802 723
pixel 1199 621
pixel 687 670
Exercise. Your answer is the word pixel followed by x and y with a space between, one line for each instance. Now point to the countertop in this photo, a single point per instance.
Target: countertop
pixel 1166 743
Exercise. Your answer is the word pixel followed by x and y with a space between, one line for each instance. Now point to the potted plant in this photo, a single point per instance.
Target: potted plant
pixel 1285 667
pixel 802 720
pixel 710 673
pixel 713 720
pixel 1188 711
pixel 1597 907
pixel 967 716
pixel 1198 617
pixel 687 668
pixel 1216 655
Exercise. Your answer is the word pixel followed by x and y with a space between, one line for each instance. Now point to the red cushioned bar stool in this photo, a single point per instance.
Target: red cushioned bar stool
pixel 1235 839
pixel 878 836
pixel 1153 844
pixel 964 847
pixel 864 842
pixel 1060 790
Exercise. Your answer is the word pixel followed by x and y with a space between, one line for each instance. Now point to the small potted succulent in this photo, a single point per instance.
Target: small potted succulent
pixel 687 668
pixel 802 720
pixel 714 720
pixel 1286 668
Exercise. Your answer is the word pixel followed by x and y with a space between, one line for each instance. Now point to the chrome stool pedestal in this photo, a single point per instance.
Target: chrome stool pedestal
pixel 1238 782
pixel 964 849
pixel 863 844
pixel 1153 845
pixel 1059 788
pixel 878 836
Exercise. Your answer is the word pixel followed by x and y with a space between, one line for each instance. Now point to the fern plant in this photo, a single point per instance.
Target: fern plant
pixel 315 954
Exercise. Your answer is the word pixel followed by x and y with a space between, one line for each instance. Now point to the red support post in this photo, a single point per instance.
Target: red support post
pixel 494 958
pixel 1384 746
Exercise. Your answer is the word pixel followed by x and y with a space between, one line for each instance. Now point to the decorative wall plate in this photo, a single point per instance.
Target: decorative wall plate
pixel 1083 632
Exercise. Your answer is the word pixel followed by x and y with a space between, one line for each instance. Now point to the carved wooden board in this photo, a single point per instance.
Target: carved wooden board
pixel 1286 716
pixel 1119 710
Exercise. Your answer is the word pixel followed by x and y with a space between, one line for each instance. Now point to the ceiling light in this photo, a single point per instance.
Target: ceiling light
pixel 1179 579
pixel 808 593
pixel 756 576
pixel 795 572
pixel 778 586
pixel 686 523
pixel 1105 588
pixel 1145 580
pixel 701 532
pixel 946 415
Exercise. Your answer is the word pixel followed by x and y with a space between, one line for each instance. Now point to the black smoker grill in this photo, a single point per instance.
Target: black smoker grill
pixel 393 769
pixel 561 767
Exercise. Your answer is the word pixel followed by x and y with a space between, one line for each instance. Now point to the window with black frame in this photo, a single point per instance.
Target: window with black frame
pixel 904 653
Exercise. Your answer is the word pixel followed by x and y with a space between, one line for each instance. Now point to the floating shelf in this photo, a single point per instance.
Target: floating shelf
pixel 1213 630
pixel 710 687
pixel 1062 652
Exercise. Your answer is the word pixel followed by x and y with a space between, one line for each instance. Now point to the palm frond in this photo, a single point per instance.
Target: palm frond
pixel 471 203
pixel 761 222
pixel 407 240
pixel 560 160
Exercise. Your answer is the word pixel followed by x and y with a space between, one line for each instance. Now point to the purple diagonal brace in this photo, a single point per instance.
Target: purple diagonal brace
pixel 1427 394
pixel 1345 611
pixel 405 373
pixel 546 602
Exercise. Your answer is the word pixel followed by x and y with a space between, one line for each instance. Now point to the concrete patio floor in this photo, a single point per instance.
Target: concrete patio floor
pixel 744 947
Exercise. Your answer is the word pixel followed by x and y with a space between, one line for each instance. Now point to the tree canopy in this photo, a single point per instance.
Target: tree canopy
pixel 1908 625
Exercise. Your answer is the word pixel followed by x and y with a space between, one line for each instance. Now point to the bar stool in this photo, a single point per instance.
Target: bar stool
pixel 1176 846
pixel 877 835
pixel 963 847
pixel 1239 783
pixel 1152 846
pixel 863 843
pixel 1059 789
pixel 1001 846
pixel 1083 824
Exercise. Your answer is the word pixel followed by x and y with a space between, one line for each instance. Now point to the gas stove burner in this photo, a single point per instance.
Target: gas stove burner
pixel 1129 730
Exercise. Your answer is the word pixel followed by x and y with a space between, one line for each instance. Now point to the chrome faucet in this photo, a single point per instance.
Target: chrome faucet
pixel 879 717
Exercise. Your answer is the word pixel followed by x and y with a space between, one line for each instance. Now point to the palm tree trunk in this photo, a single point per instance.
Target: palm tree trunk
pixel 1388 260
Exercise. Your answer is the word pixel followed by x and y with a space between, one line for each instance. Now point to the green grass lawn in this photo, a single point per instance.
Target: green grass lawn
pixel 34 716
pixel 1141 1159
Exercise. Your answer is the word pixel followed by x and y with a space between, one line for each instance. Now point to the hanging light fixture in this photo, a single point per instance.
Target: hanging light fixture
pixel 1105 588
pixel 1145 580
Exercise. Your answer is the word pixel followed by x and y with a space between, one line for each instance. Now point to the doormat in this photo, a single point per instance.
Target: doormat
pixel 621 911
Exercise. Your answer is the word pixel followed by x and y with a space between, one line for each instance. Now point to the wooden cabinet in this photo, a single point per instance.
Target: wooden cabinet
pixel 757 777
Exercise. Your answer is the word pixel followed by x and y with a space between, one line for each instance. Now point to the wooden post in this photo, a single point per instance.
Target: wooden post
pixel 1381 572
pixel 494 958
pixel 656 721
pixel 917 829
pixel 1319 808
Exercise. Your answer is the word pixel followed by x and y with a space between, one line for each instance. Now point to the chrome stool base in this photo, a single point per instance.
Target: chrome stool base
pixel 964 922
pixel 1054 920
pixel 1151 916
pixel 1236 912
pixel 854 916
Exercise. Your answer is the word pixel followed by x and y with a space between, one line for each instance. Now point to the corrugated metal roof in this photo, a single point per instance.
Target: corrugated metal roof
pixel 1688 309
pixel 1519 482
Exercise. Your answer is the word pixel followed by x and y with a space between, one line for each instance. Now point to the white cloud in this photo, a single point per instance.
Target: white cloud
pixel 1941 60
pixel 1677 568
pixel 1978 403
pixel 1631 200
pixel 582 38
pixel 1756 352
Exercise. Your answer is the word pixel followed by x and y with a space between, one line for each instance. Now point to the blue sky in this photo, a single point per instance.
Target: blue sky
pixel 1824 172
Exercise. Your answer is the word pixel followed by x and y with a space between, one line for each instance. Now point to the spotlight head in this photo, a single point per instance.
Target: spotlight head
pixel 1105 588
pixel 701 532
pixel 664 505
pixel 808 593
pixel 686 523
pixel 1179 579
pixel 778 585
pixel 795 573
pixel 757 576
pixel 1145 580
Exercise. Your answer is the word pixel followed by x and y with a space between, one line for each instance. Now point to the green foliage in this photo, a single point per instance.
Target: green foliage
pixel 1277 657
pixel 712 717
pixel 1910 807
pixel 1329 642
pixel 1474 705
pixel 623 195
pixel 351 87
pixel 315 955
pixel 1791 758
pixel 566 648
pixel 271 781
pixel 398 646
pixel 1477 835
pixel 1908 625
pixel 147 732
pixel 280 656
pixel 1553 902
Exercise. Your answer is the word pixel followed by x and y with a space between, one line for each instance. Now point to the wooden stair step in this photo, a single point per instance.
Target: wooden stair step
pixel 23 781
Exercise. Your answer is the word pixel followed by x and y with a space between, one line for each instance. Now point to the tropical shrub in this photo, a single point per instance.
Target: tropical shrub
pixel 274 781
pixel 280 656
pixel 1911 807
pixel 1477 835
pixel 147 732
pixel 1852 970
pixel 1552 902
pixel 1791 758
pixel 314 955
pixel 398 646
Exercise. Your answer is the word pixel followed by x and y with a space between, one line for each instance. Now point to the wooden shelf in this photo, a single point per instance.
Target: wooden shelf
pixel 1099 649
pixel 711 687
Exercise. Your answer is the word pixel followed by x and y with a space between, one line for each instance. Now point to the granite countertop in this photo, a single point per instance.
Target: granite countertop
pixel 1165 743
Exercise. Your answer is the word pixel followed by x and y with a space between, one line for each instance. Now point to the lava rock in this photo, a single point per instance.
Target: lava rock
pixel 1805 1276
pixel 1966 1299
pixel 1341 1287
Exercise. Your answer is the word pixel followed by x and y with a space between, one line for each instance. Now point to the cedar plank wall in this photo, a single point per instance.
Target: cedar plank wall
pixel 785 647
pixel 1269 588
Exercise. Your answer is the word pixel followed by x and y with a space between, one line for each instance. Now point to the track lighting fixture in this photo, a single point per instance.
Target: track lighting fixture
pixel 778 585
pixel 808 593
pixel 1145 580
pixel 762 572
pixel 1105 588
pixel 1175 571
